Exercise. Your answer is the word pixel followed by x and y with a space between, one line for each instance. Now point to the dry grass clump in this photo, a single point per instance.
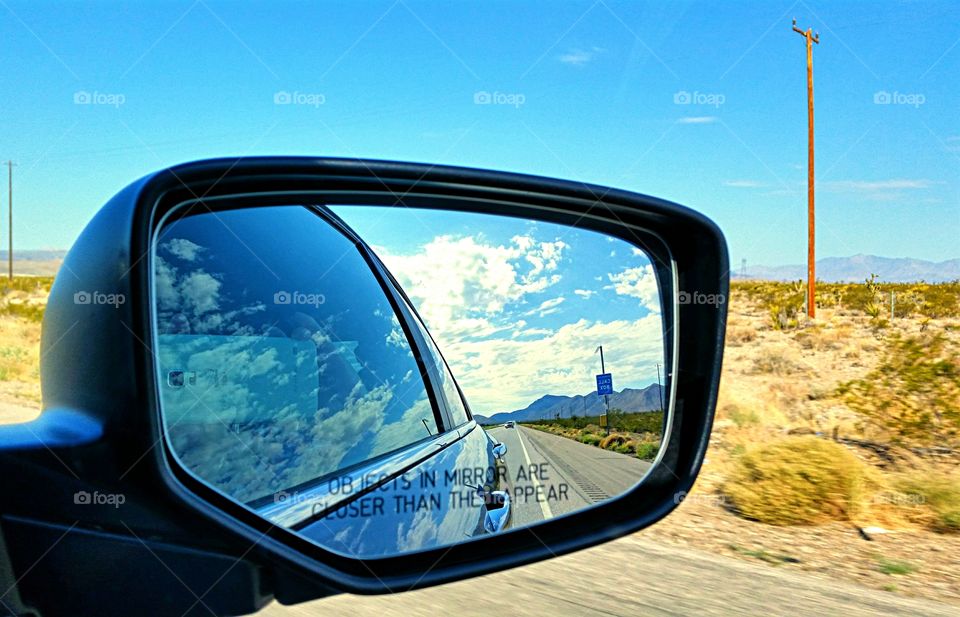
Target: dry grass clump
pixel 800 481
pixel 913 396
pixel 934 498
pixel 19 350
pixel 614 439
pixel 739 335
pixel 820 338
pixel 775 362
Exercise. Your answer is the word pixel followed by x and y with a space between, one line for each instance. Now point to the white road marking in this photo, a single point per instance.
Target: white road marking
pixel 544 506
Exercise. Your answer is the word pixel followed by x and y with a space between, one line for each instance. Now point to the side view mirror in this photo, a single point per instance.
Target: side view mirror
pixel 292 377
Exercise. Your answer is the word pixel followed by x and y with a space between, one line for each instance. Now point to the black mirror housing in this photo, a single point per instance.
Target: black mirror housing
pixel 100 429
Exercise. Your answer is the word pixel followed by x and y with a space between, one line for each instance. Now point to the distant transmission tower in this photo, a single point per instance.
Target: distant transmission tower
pixel 743 268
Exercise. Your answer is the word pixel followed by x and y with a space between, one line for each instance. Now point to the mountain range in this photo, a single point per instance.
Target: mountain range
pixel 857 268
pixel 41 262
pixel 552 405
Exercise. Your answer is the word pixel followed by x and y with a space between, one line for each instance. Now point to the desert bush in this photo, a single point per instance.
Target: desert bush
pixel 872 297
pixel 647 450
pixel 635 422
pixel 30 312
pixel 774 362
pixel 740 335
pixel 613 439
pixel 939 493
pixel 800 481
pixel 590 439
pixel 29 284
pixel 913 395
pixel 740 416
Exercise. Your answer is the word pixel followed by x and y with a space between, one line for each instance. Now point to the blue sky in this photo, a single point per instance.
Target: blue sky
pixel 586 90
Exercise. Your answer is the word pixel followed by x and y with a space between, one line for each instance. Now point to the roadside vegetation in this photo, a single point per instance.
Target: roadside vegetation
pixel 634 434
pixel 854 417
pixel 836 444
pixel 22 303
pixel 835 447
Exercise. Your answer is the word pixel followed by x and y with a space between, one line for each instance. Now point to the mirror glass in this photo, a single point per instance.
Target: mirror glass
pixel 385 380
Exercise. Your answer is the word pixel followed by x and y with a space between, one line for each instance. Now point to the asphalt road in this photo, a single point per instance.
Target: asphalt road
pixel 636 577
pixel 560 475
pixel 632 576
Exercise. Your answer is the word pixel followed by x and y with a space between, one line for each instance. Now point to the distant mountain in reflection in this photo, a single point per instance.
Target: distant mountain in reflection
pixel 551 405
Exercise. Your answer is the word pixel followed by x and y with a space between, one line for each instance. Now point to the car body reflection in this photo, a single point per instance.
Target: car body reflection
pixel 456 493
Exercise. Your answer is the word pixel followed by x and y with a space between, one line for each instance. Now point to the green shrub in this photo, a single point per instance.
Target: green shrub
pixel 800 481
pixel 913 395
pixel 29 312
pixel 628 422
pixel 647 450
pixel 940 493
pixel 895 566
pixel 590 439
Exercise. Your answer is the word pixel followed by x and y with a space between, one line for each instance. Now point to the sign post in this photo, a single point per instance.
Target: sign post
pixel 605 388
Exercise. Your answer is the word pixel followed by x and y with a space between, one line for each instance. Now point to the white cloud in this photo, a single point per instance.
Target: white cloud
pixel 547 307
pixel 560 362
pixel 580 57
pixel 894 184
pixel 585 293
pixel 476 281
pixel 744 184
pixel 639 283
pixel 183 248
pixel 697 120
pixel 200 292
pixel 468 291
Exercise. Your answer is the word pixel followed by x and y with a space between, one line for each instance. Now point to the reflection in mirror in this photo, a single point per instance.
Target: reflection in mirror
pixel 384 380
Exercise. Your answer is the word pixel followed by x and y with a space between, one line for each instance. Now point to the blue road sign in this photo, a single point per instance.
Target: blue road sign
pixel 605 383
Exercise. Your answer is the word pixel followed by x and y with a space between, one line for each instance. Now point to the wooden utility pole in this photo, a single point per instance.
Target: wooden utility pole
pixel 811 38
pixel 10 165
